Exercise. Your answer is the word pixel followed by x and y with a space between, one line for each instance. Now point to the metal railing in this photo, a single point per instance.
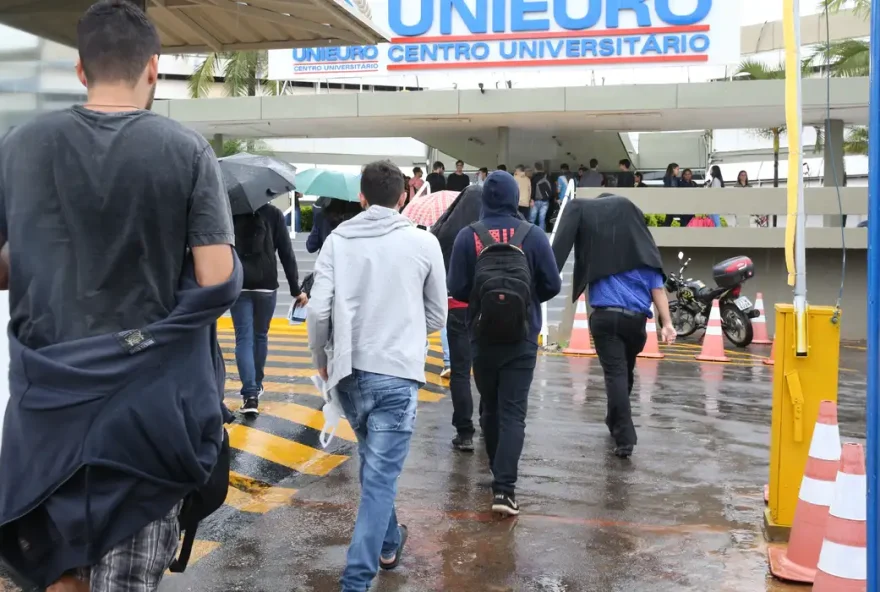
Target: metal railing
pixel 570 194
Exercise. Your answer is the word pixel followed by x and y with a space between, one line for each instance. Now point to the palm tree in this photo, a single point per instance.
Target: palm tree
pixel 856 141
pixel 243 75
pixel 860 7
pixel 754 70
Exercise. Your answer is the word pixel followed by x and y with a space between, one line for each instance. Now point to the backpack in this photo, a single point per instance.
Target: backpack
pixel 201 503
pixel 255 248
pixel 502 294
pixel 544 189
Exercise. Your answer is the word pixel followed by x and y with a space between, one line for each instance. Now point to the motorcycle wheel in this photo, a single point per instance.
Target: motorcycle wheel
pixel 736 325
pixel 683 320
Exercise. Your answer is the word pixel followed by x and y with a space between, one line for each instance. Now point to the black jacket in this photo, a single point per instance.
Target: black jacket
pixel 437 182
pixel 609 236
pixel 258 260
pixel 463 211
pixel 105 435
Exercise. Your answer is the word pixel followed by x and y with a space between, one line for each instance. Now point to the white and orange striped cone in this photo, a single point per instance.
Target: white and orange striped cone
pixel 771 361
pixel 652 345
pixel 580 334
pixel 759 325
pixel 843 562
pixel 713 340
pixel 798 562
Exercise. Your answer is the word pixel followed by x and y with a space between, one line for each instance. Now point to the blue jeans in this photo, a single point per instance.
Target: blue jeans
pixel 382 412
pixel 538 214
pixel 251 316
pixel 444 342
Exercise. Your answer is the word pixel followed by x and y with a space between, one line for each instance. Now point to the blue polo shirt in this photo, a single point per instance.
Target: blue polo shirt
pixel 630 290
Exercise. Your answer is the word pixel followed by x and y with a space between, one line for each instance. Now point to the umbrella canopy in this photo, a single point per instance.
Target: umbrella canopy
pixel 327 183
pixel 252 180
pixel 427 209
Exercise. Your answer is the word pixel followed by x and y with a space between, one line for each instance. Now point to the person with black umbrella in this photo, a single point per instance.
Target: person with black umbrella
pixel 260 232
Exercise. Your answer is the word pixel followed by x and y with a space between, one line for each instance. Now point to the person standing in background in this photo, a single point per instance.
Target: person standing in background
pixel 258 237
pixel 375 359
pixel 716 181
pixel 670 179
pixel 458 181
pixel 542 195
pixel 525 192
pixel 562 181
pixel 625 177
pixel 639 180
pixel 687 179
pixel 502 167
pixel 416 182
pixel 742 180
pixel 437 179
pixel 481 176
pixel 592 177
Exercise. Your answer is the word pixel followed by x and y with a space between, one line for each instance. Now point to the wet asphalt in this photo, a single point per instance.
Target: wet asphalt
pixel 683 514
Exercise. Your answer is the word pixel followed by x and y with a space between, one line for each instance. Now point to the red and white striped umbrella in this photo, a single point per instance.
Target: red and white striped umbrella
pixel 427 209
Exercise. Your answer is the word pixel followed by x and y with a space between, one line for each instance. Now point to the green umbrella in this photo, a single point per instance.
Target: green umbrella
pixel 326 183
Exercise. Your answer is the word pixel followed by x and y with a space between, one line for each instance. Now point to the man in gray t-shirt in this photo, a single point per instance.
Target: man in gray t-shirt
pixel 99 205
pixel 592 177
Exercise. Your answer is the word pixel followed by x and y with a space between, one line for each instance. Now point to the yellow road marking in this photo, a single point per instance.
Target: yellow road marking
pixel 301 415
pixel 308 359
pixel 304 340
pixel 294 455
pixel 261 502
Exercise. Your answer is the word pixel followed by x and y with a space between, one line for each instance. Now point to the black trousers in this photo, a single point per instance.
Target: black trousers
pixel 618 338
pixel 503 374
pixel 460 364
pixel 525 212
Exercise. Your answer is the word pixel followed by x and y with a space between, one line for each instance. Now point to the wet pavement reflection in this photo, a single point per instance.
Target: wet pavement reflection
pixel 683 514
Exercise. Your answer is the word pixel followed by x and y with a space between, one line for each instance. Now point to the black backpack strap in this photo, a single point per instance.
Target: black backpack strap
pixel 189 538
pixel 483 233
pixel 520 234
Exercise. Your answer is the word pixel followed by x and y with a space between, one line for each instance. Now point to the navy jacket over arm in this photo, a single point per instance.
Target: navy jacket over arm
pixel 104 435
pixel 500 215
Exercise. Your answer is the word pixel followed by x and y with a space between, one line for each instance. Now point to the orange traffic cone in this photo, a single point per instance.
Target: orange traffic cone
pixel 652 346
pixel 580 333
pixel 713 340
pixel 798 562
pixel 843 562
pixel 760 324
pixel 771 361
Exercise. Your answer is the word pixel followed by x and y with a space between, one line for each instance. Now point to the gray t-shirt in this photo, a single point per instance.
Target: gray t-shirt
pixel 99 210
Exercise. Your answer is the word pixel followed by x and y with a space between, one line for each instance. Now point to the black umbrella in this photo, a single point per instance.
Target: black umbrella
pixel 253 180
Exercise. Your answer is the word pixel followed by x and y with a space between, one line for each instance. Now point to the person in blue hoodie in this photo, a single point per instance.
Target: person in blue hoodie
pixel 503 372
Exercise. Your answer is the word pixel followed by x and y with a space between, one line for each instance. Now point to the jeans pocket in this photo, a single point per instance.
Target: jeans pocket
pixel 395 410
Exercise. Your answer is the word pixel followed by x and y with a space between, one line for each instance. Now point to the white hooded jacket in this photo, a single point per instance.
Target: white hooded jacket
pixel 380 290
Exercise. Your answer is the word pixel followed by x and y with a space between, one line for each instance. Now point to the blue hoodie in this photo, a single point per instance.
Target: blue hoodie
pixel 500 214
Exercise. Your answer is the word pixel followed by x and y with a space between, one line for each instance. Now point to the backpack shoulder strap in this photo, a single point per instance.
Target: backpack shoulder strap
pixel 189 538
pixel 520 234
pixel 480 229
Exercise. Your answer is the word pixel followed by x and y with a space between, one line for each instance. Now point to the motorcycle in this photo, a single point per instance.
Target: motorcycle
pixel 693 304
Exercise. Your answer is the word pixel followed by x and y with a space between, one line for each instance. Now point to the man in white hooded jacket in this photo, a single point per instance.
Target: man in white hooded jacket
pixel 380 290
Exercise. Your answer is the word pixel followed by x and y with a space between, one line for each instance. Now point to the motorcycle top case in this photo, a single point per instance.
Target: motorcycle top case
pixel 732 272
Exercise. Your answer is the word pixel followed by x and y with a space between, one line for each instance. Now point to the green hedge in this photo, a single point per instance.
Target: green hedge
pixel 306 218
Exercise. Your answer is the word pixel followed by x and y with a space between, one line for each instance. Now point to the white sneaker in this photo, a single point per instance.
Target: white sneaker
pixel 446 373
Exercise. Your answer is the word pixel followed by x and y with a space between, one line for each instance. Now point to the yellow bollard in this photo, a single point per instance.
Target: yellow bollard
pixel 799 385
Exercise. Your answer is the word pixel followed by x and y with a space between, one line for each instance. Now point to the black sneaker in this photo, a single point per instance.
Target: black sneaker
pixel 251 406
pixel 463 443
pixel 505 503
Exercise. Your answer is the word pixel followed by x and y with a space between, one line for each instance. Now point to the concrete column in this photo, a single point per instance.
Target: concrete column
pixel 834 162
pixel 217 144
pixel 504 148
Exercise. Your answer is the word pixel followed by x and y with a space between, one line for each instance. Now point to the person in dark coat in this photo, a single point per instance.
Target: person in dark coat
pixel 503 372
pixel 325 220
pixel 616 256
pixel 463 211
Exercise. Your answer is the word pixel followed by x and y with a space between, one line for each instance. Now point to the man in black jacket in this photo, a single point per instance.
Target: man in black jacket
pixel 258 237
pixel 617 259
pixel 437 179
